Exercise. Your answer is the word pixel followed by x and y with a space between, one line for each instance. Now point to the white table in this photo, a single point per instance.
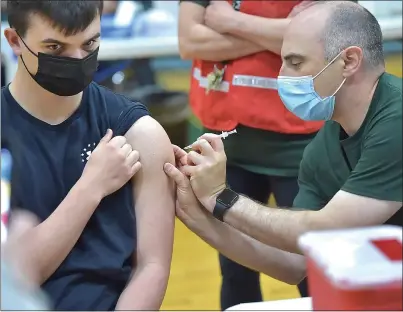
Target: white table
pixel 300 304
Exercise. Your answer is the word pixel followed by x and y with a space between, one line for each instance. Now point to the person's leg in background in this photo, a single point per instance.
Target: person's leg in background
pixel 240 284
pixel 285 189
pixel 144 73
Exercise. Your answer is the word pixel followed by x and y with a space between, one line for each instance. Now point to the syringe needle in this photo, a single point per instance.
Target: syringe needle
pixel 223 135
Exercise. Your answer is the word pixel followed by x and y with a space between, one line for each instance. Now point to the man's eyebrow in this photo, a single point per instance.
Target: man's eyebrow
pixel 54 41
pixel 293 56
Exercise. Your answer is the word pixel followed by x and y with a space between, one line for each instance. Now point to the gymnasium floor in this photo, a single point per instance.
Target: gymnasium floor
pixel 195 282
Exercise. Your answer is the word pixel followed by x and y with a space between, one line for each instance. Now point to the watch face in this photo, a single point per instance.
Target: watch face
pixel 227 197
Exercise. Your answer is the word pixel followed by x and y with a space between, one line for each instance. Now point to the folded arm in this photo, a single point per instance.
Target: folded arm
pixel 155 214
pixel 263 31
pixel 267 32
pixel 197 41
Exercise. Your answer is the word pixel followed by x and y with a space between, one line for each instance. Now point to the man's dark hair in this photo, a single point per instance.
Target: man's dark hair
pixel 70 17
pixel 351 24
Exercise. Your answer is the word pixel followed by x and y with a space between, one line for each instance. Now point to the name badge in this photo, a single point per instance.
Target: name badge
pixel 214 79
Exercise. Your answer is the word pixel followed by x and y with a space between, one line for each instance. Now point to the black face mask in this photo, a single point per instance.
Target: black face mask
pixel 64 76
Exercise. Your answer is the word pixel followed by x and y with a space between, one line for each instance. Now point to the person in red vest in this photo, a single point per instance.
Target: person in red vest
pixel 235 47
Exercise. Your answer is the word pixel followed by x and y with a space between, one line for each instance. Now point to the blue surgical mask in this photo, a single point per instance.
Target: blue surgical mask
pixel 299 96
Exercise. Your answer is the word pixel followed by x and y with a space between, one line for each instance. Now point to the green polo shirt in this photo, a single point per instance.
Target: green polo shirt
pixel 374 154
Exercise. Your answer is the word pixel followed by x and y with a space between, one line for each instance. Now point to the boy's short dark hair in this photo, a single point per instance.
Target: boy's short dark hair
pixel 70 17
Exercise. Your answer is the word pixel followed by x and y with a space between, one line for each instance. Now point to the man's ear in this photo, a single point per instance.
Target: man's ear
pixel 13 40
pixel 353 58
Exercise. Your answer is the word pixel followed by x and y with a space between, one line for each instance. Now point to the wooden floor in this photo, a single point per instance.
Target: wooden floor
pixel 195 280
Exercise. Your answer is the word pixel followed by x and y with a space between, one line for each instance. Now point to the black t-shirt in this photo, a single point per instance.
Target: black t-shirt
pixel 49 161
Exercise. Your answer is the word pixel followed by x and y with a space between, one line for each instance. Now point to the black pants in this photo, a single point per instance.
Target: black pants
pixel 240 284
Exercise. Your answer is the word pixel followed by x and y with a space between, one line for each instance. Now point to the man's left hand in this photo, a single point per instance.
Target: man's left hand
pixel 220 16
pixel 188 208
pixel 206 167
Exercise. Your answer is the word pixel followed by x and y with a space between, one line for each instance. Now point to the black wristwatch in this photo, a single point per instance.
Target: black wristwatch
pixel 224 202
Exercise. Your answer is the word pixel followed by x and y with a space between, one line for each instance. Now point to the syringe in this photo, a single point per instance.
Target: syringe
pixel 223 135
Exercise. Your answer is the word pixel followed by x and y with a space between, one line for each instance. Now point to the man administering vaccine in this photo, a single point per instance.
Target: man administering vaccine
pixel 351 173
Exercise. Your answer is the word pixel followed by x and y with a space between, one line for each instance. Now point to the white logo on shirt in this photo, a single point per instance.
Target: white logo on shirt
pixel 87 151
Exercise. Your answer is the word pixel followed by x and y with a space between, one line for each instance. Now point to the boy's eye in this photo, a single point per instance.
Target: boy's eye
pixel 53 47
pixel 90 43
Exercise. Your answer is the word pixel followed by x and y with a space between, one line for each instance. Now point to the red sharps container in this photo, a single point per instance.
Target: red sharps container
pixel 355 269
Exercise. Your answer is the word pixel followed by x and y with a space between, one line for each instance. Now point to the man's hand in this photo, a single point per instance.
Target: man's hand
pixel 111 164
pixel 220 16
pixel 207 169
pixel 181 157
pixel 187 206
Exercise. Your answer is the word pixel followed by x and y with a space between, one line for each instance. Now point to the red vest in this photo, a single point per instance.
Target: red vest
pixel 248 93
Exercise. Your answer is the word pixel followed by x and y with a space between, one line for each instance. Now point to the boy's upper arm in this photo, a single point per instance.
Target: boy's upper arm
pixel 154 193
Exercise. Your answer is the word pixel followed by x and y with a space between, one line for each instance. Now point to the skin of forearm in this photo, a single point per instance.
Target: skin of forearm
pixel 205 44
pixel 155 277
pixel 279 228
pixel 267 32
pixel 281 265
pixel 52 240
